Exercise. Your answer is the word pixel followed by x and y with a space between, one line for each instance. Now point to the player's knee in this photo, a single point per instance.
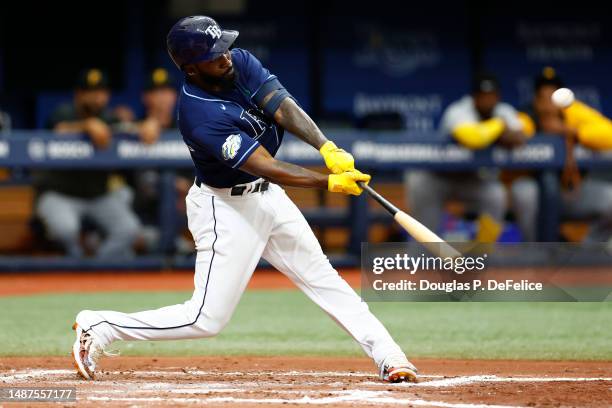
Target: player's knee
pixel 65 232
pixel 127 231
pixel 214 327
pixel 210 324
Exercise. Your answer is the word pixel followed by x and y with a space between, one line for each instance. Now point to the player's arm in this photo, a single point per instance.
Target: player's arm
pixel 98 131
pixel 261 164
pixel 478 135
pixel 293 118
pixel 592 129
pixel 278 104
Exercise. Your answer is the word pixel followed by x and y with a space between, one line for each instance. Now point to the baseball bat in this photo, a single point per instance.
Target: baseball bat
pixel 417 230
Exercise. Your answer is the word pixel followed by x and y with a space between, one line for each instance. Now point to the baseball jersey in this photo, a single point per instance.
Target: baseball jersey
pixel 464 111
pixel 223 129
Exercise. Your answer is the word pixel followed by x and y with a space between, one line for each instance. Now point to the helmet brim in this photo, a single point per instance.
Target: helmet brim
pixel 222 44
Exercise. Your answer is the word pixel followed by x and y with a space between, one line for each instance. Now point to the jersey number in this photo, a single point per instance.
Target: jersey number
pixel 258 124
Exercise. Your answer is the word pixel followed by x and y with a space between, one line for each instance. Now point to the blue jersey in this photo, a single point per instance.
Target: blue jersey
pixel 222 130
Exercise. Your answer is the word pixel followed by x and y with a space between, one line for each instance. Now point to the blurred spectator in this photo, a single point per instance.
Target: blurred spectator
pixel 159 100
pixel 476 121
pixel 5 122
pixel 66 197
pixel 583 196
pixel 5 127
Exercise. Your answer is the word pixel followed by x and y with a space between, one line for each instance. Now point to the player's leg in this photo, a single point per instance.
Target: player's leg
pixel 294 250
pixel 61 216
pixel 113 213
pixel 230 235
pixel 426 192
pixel 486 195
pixel 525 202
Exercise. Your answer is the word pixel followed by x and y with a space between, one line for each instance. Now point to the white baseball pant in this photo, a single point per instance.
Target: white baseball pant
pixel 231 234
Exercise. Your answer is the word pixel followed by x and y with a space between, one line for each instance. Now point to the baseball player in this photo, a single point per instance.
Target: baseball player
pixel 232 113
pixel 583 195
pixel 475 121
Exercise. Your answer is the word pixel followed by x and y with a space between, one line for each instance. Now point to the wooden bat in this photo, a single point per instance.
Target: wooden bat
pixel 417 230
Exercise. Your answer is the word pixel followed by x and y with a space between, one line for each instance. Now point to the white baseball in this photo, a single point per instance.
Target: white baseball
pixel 563 97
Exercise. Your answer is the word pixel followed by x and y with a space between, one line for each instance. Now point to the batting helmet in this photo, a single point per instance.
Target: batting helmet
pixel 197 38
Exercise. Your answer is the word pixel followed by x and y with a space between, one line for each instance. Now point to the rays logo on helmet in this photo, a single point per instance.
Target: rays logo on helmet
pixel 231 146
pixel 214 31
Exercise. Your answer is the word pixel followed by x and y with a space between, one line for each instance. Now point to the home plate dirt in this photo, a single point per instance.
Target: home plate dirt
pixel 300 381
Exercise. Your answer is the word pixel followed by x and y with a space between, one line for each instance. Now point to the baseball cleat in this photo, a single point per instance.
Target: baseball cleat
pixel 86 351
pixel 396 368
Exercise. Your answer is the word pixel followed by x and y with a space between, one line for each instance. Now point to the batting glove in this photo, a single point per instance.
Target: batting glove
pixel 337 160
pixel 347 182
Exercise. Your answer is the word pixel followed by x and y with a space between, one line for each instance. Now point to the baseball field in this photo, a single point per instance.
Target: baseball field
pixel 280 348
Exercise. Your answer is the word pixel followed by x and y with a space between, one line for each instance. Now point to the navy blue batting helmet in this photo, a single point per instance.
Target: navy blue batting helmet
pixel 197 38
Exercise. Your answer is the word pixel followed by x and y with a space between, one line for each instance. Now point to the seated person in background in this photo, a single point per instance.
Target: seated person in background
pixel 65 197
pixel 583 196
pixel 475 121
pixel 159 100
pixel 5 127
pixel 5 122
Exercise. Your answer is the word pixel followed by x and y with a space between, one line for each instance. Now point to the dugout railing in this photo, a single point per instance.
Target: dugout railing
pixel 390 153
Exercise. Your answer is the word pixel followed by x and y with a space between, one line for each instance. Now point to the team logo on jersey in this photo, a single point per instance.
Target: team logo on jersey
pixel 231 146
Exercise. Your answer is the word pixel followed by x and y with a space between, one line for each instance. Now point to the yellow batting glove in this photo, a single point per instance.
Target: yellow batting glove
pixel 347 182
pixel 337 160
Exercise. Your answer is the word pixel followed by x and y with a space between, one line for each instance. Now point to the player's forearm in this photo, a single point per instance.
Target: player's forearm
pixel 286 174
pixel 479 135
pixel 292 118
pixel 67 127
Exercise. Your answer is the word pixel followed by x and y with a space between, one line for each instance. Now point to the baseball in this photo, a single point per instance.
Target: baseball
pixel 563 97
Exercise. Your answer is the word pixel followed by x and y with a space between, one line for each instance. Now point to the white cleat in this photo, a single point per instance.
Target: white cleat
pixel 86 351
pixel 396 368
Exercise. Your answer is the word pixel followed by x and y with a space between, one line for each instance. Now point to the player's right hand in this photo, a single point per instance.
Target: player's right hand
pixel 336 159
pixel 347 182
pixel 98 131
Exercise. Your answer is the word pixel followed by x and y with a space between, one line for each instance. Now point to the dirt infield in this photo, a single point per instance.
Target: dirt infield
pixel 298 381
pixel 63 282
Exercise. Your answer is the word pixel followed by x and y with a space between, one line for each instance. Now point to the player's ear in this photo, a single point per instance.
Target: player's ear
pixel 190 70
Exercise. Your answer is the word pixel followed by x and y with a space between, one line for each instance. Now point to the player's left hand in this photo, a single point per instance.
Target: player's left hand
pixel 336 159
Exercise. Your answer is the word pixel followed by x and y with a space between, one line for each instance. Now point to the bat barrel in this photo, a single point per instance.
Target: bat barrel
pixel 418 231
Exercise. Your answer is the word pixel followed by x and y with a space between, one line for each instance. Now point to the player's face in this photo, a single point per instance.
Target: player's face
pixel 543 98
pixel 219 71
pixel 485 103
pixel 92 101
pixel 160 100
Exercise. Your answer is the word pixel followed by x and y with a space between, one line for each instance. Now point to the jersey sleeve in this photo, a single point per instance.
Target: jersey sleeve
pixel 227 143
pixel 254 74
pixel 510 116
pixel 451 118
pixel 60 114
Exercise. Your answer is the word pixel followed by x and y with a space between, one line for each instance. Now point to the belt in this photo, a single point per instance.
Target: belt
pixel 245 189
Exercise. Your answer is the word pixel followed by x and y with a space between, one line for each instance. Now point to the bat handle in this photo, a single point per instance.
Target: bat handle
pixel 387 205
pixel 364 186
